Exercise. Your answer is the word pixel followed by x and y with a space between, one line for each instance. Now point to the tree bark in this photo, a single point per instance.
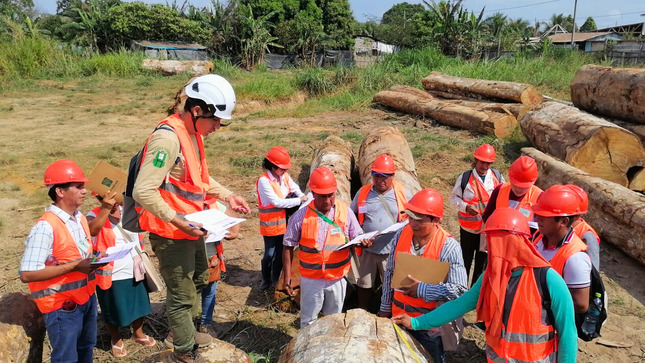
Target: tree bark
pixel 637 181
pixel 388 140
pixel 481 121
pixel 337 155
pixel 479 88
pixel 637 129
pixel 353 337
pixel 613 92
pixel 615 212
pixel 584 141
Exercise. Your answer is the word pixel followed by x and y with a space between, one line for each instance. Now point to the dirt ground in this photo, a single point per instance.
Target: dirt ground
pixel 88 121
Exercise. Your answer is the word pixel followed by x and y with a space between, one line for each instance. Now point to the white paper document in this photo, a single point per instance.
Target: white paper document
pixel 214 221
pixel 358 239
pixel 116 253
pixel 214 237
pixel 395 227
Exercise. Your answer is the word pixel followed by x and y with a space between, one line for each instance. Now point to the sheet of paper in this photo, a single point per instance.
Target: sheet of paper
pixel 214 237
pixel 116 253
pixel 395 227
pixel 358 239
pixel 421 268
pixel 213 220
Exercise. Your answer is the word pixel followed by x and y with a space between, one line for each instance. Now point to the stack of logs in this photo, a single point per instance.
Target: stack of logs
pixel 486 107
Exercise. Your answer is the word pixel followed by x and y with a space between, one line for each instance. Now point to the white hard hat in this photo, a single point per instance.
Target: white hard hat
pixel 216 91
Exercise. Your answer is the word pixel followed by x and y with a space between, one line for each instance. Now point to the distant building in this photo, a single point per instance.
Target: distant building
pixel 366 46
pixel 584 40
pixel 171 50
pixel 636 29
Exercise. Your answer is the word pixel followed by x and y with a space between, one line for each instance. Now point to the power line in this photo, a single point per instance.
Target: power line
pixel 523 6
pixel 604 16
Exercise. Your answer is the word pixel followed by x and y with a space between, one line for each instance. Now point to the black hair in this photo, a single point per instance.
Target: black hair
pixel 52 190
pixel 192 102
pixel 559 218
pixel 267 165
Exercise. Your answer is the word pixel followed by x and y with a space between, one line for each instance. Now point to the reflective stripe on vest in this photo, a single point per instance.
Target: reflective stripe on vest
pixel 523 205
pixel 185 196
pixel 466 220
pixel 76 286
pixel 525 337
pixel 324 262
pixel 401 303
pixel 273 220
pixel 572 246
pixel 104 240
pixel 399 195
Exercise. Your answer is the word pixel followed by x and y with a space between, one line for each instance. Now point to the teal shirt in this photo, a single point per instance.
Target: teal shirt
pixel 561 306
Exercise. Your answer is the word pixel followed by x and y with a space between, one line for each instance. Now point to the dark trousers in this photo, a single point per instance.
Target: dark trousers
pixel 433 345
pixel 470 249
pixel 272 259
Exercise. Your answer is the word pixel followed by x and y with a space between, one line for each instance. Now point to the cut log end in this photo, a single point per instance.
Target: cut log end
pixel 637 181
pixel 504 126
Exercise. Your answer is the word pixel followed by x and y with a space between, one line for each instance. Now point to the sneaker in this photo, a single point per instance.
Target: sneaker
pixel 201 340
pixel 208 329
pixel 192 357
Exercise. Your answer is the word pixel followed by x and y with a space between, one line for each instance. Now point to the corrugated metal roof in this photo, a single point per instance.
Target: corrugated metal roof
pixel 578 37
pixel 169 45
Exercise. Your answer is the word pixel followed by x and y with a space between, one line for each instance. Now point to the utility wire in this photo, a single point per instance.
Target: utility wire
pixel 523 6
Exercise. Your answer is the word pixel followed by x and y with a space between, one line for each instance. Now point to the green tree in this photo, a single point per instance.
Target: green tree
pixel 255 37
pixel 338 23
pixel 589 25
pixel 85 24
pixel 396 25
pixel 16 9
pixel 401 13
pixel 565 21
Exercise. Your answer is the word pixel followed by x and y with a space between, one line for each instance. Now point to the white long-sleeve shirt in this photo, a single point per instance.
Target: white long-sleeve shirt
pixel 457 197
pixel 268 196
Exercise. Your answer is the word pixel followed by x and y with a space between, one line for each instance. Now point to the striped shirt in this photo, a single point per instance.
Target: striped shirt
pixel 39 245
pixel 454 286
pixel 294 227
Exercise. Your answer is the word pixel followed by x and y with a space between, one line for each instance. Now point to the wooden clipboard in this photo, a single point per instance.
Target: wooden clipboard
pixel 421 268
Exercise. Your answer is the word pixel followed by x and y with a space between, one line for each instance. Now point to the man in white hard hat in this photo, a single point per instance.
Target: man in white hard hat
pixel 173 181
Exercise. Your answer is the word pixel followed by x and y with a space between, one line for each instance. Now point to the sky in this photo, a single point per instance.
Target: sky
pixel 605 13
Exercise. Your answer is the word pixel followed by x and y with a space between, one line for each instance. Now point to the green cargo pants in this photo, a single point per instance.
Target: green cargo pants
pixel 184 268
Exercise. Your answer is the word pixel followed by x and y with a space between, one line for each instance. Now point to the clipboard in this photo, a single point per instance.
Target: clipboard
pixel 105 177
pixel 423 269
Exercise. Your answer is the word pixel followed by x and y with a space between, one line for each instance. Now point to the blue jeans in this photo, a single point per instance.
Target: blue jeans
pixel 208 303
pixel 72 333
pixel 272 259
pixel 433 345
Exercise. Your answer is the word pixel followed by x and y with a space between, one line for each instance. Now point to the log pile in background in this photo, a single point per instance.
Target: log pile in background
pixel 613 92
pixel 337 155
pixel 353 337
pixel 617 213
pixel 388 140
pixel 172 67
pixel 585 141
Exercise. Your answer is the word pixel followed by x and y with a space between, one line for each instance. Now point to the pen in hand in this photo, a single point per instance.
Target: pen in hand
pixel 96 256
pixel 200 228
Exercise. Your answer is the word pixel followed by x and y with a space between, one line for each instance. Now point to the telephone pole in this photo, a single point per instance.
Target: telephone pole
pixel 573 32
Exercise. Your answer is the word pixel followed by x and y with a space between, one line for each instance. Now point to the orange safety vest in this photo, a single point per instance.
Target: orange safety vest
pixel 565 251
pixel 525 336
pixel 184 196
pixel 401 303
pixel 324 262
pixel 467 221
pixel 76 286
pixel 273 220
pixel 399 194
pixel 523 205
pixel 582 228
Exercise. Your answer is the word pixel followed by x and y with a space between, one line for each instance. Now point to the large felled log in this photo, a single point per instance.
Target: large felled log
pixel 172 67
pixel 585 141
pixel 282 301
pixel 354 337
pixel 617 213
pixel 218 352
pixel 481 121
pixel 388 140
pixel 337 155
pixel 613 92
pixel 637 181
pixel 479 88
pixel 22 329
pixel 637 129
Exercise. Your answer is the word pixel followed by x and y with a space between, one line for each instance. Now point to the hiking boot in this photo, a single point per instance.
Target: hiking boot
pixel 191 357
pixel 201 340
pixel 208 329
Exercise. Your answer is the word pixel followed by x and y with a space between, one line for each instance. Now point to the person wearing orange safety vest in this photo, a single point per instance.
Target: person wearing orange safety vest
pixel 277 192
pixel 423 236
pixel 318 230
pixel 583 230
pixel 470 196
pixel 559 245
pixel 57 267
pixel 173 181
pixel 123 300
pixel 520 193
pixel 377 205
pixel 526 307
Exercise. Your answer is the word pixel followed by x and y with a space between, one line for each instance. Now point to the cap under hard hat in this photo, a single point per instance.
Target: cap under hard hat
pixel 322 181
pixel 64 171
pixel 383 165
pixel 279 156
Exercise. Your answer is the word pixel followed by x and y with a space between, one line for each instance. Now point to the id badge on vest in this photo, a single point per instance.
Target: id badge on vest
pixel 83 245
pixel 526 212
pixel 335 231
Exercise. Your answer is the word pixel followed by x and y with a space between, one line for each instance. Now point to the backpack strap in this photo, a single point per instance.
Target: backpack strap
pixel 464 179
pixel 498 175
pixel 543 289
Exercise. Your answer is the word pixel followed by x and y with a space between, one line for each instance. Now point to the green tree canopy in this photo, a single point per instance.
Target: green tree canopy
pixel 589 25
pixel 401 13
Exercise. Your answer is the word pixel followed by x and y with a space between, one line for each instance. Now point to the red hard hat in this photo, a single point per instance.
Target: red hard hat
pixel 523 172
pixel 485 153
pixel 322 181
pixel 427 201
pixel 279 156
pixel 383 164
pixel 507 219
pixel 64 171
pixel 584 198
pixel 557 201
